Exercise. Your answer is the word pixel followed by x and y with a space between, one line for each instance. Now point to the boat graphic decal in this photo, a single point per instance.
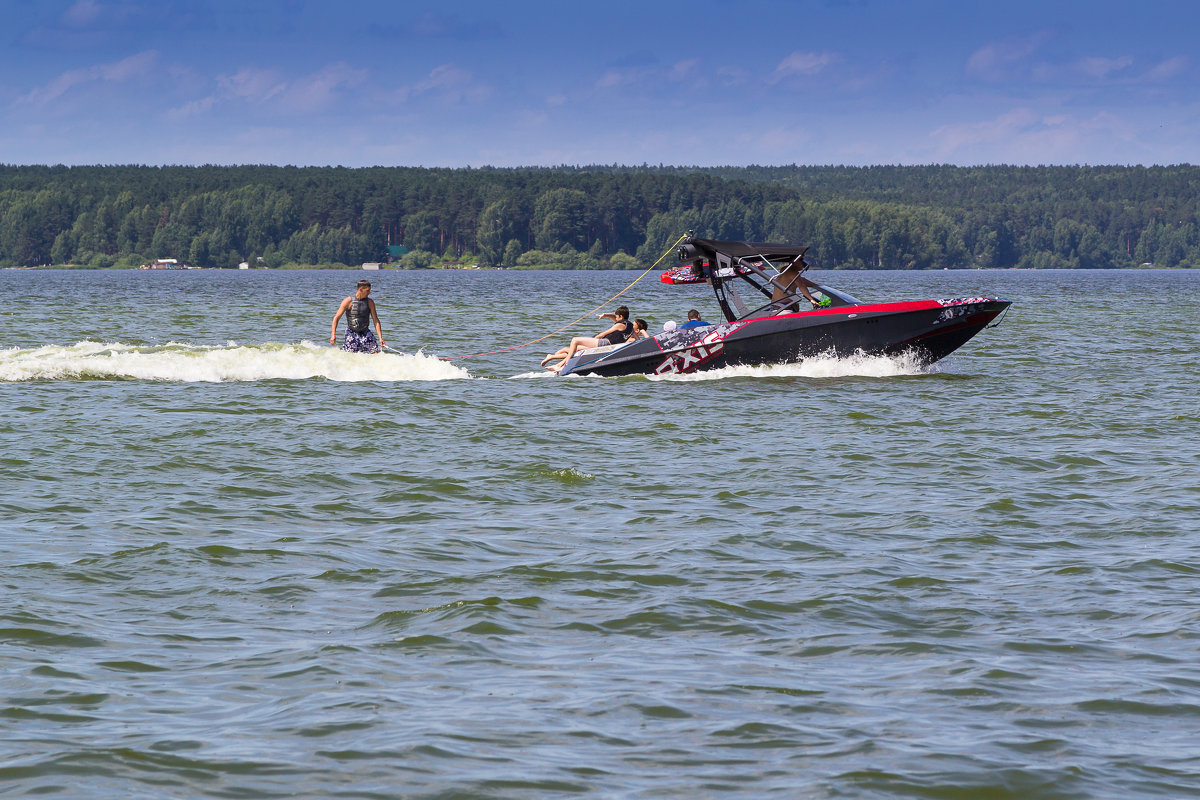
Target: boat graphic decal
pixel 955 301
pixel 690 359
pixel 961 307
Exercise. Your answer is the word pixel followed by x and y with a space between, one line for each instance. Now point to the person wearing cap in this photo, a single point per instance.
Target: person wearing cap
pixel 359 309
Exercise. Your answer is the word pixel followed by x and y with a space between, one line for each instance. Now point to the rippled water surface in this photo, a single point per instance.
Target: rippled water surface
pixel 239 563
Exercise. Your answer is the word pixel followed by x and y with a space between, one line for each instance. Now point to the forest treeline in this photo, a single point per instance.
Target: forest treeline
pixel 892 217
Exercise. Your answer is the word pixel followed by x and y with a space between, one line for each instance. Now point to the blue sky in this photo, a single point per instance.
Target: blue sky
pixel 372 82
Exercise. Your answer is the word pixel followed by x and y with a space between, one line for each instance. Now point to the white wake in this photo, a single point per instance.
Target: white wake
pixel 188 363
pixel 823 366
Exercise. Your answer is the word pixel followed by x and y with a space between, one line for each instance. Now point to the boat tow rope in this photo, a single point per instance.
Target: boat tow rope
pixel 581 318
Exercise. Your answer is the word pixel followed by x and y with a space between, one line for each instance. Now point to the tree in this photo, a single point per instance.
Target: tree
pixel 512 251
pixel 198 251
pixel 908 217
pixel 561 217
pixel 421 232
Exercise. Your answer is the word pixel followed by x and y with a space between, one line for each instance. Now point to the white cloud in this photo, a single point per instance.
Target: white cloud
pixel 135 66
pixel 322 87
pixel 82 14
pixel 993 61
pixel 249 83
pixel 614 78
pixel 803 64
pixel 1092 68
pixel 1110 70
pixel 90 14
pixel 1167 69
pixel 733 75
pixel 448 83
pixel 446 76
pixel 649 74
pixel 1100 68
pixel 779 144
pixel 194 108
pixel 967 134
pixel 258 86
pixel 1024 136
pixel 682 70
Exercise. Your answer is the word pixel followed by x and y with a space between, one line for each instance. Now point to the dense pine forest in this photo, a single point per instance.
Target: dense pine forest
pixel 889 217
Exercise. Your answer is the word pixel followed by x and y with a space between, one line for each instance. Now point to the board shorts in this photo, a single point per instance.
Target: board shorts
pixel 364 342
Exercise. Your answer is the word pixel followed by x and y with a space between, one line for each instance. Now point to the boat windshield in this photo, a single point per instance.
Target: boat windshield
pixel 838 297
pixel 825 295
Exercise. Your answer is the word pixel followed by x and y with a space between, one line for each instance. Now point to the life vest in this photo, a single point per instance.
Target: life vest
pixel 358 315
pixel 619 336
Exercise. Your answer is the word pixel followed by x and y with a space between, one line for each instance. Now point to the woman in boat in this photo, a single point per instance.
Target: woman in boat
pixel 618 332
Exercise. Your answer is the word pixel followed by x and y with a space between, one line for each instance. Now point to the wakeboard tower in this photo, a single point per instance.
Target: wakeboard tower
pixel 800 318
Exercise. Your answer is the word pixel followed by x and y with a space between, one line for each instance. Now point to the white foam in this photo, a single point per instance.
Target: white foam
pixel 188 363
pixel 545 373
pixel 824 366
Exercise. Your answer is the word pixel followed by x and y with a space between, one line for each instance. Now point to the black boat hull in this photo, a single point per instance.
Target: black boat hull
pixel 928 330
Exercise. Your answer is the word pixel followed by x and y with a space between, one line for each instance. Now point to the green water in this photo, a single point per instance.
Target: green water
pixel 238 563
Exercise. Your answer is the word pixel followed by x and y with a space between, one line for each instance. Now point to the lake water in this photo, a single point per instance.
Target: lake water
pixel 240 563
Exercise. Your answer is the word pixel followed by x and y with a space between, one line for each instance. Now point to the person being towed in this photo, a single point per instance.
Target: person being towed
pixel 359 310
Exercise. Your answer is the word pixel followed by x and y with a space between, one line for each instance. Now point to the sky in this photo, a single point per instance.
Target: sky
pixel 701 83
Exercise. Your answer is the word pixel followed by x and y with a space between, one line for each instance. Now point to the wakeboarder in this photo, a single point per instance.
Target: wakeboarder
pixel 359 309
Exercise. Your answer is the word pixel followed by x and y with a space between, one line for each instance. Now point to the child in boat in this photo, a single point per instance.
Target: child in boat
pixel 618 332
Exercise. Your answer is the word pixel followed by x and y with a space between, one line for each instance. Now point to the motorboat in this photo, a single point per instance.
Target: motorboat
pixel 800 318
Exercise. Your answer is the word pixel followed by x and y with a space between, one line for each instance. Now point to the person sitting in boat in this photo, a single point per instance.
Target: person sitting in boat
pixel 641 329
pixel 618 332
pixel 360 312
pixel 694 321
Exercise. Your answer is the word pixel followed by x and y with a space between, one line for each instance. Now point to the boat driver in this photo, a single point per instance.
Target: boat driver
pixel 786 283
